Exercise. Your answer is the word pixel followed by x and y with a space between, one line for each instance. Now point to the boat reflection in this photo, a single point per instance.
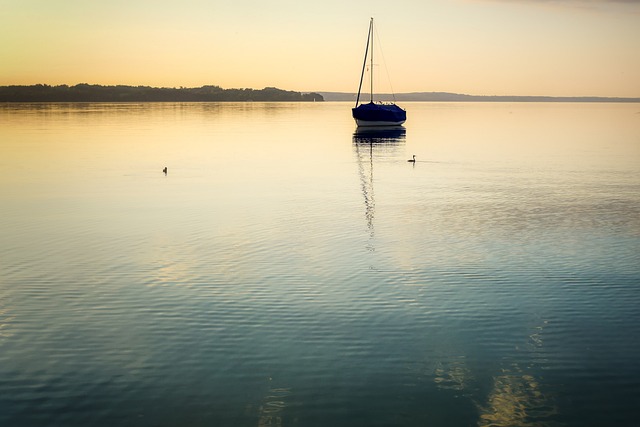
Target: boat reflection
pixel 380 135
pixel 370 143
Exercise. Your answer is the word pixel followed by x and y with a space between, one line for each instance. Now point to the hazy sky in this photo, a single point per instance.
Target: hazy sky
pixel 483 47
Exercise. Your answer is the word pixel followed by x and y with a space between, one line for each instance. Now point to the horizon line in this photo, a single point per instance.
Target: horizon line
pixel 341 93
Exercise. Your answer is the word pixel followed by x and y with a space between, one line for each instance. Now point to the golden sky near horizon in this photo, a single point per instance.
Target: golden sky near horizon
pixel 480 47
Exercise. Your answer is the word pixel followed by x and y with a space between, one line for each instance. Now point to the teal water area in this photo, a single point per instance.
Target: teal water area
pixel 289 271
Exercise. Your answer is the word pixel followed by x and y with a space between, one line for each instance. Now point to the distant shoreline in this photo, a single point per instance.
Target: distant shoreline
pixel 97 93
pixel 122 93
pixel 456 97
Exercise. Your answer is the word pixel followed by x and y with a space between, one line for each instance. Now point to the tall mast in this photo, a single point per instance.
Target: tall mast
pixel 371 74
pixel 364 63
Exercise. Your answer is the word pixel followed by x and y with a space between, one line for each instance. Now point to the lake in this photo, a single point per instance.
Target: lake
pixel 288 271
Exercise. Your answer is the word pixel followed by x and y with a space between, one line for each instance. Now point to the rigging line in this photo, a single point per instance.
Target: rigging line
pixel 384 61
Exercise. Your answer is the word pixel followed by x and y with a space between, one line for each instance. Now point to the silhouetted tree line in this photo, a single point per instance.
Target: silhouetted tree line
pixel 96 93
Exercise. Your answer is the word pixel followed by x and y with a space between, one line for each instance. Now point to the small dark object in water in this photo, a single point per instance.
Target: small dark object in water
pixel 410 160
pixel 164 170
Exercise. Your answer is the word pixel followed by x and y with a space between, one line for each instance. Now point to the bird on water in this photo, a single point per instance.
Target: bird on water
pixel 164 170
pixel 412 160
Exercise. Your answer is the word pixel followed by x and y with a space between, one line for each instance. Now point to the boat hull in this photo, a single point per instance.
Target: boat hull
pixel 378 123
pixel 372 114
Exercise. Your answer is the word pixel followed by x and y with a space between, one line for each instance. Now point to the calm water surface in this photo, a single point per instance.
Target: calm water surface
pixel 288 272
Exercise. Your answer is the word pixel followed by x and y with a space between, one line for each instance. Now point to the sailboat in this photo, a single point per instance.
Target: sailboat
pixel 375 114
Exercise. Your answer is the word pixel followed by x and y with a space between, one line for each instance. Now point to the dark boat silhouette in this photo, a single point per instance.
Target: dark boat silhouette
pixel 375 114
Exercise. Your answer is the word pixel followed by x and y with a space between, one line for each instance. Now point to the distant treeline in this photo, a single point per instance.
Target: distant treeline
pixel 96 93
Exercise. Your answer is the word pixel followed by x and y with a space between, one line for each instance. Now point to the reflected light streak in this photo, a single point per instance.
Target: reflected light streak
pixel 456 376
pixel 5 321
pixel 272 407
pixel 516 400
